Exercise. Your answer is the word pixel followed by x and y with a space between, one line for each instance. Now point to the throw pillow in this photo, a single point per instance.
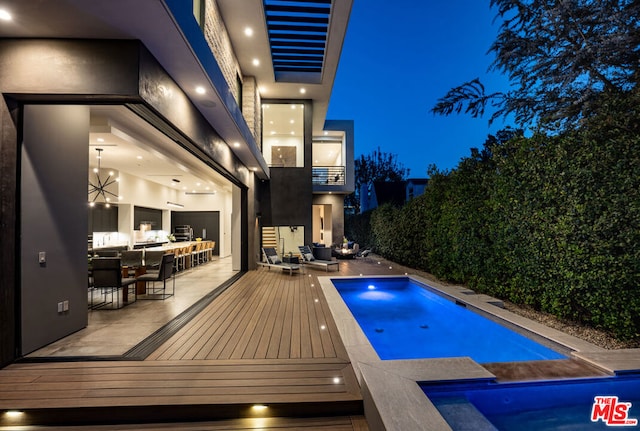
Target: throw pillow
pixel 309 257
pixel 274 260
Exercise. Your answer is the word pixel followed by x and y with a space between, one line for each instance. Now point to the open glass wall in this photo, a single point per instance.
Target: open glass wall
pixel 142 186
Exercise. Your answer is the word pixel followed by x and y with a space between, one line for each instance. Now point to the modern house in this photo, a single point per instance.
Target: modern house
pixel 415 187
pixel 397 193
pixel 201 113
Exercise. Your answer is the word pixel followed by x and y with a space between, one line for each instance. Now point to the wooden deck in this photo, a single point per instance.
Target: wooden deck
pixel 269 339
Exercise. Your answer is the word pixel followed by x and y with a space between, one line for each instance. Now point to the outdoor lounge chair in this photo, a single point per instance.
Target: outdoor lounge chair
pixel 272 260
pixel 309 259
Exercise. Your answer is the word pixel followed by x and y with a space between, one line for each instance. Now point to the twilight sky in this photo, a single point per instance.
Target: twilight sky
pixel 398 58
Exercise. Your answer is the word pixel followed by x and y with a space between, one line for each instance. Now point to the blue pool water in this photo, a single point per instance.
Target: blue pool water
pixel 403 320
pixel 565 405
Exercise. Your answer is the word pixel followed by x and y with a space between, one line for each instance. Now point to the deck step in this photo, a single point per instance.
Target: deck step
pixel 169 391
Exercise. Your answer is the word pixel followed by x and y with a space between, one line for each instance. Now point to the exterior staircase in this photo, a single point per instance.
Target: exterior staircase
pixel 269 238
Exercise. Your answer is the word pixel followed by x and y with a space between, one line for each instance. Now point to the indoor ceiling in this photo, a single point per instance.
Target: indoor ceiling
pixel 132 146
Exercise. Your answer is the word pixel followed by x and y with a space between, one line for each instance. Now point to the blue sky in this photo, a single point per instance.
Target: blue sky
pixel 398 58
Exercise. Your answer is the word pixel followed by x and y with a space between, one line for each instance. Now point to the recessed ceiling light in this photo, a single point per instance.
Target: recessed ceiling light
pixel 262 89
pixel 139 157
pixel 200 90
pixel 5 15
pixel 255 62
pixel 303 90
pixel 248 31
pixel 236 144
pixel 326 133
pixel 100 140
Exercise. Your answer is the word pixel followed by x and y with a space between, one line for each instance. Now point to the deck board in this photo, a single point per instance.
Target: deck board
pixel 269 338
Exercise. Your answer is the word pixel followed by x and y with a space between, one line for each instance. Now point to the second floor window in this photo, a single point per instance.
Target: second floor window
pixel 283 134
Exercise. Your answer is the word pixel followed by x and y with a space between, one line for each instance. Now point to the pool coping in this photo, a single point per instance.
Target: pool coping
pixel 391 387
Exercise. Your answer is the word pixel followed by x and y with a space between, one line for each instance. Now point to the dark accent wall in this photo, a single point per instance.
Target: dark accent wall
pixel 287 199
pixel 53 217
pixel 69 68
pixel 8 248
pixel 199 220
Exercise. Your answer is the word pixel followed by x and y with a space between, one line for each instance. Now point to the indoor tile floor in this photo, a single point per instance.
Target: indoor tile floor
pixel 114 332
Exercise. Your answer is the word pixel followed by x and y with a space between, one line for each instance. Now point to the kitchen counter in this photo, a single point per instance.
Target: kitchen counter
pixel 140 245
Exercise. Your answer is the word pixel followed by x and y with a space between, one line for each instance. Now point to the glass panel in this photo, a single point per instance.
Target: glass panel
pixel 328 159
pixel 198 12
pixel 283 135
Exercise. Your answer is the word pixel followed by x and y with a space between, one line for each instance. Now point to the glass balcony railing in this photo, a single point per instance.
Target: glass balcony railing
pixel 329 175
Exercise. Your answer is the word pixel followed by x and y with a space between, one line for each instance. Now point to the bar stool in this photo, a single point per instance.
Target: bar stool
pixel 194 254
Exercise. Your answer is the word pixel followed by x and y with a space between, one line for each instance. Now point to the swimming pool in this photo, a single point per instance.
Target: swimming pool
pixel 566 405
pixel 405 320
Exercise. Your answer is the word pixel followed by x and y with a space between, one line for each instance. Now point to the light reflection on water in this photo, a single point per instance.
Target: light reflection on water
pixel 376 295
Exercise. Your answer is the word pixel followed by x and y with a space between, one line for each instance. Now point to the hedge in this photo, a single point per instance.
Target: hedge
pixel 552 222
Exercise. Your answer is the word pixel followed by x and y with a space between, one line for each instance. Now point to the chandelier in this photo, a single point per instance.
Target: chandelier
pixel 98 192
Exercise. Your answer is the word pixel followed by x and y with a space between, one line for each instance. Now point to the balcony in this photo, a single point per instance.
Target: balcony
pixel 328 176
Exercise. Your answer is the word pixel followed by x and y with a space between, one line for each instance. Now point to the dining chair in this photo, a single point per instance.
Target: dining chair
pixel 164 273
pixel 108 281
pixel 132 259
pixel 153 259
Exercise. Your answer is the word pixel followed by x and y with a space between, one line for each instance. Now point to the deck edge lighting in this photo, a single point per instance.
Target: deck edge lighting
pixel 259 407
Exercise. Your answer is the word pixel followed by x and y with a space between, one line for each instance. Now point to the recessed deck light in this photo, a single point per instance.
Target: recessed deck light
pixel 5 15
pixel 259 407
